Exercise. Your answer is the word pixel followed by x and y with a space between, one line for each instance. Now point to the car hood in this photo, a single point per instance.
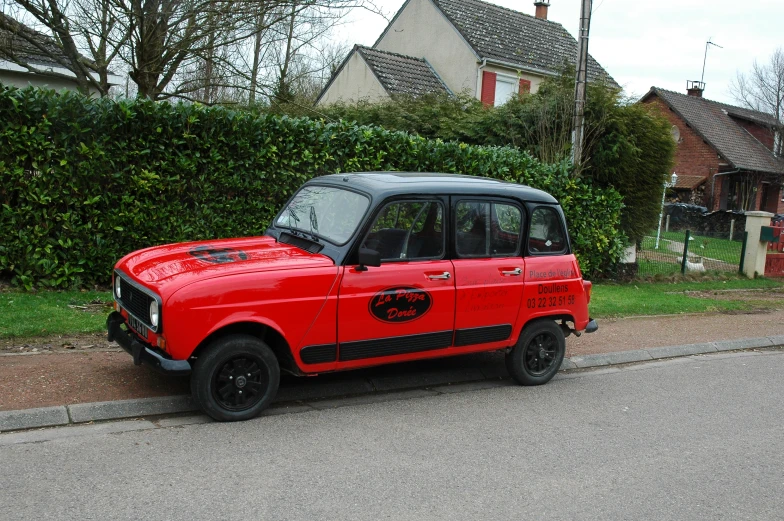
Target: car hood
pixel 179 264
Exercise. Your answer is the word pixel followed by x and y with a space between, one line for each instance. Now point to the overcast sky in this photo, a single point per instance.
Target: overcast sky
pixel 655 43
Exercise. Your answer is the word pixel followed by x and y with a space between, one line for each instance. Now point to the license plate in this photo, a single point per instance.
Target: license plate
pixel 137 326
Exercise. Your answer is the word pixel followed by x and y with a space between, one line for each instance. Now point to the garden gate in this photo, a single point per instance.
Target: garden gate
pixel 774 260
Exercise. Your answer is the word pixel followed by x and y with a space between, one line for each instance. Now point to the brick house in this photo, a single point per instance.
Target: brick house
pixel 460 46
pixel 725 154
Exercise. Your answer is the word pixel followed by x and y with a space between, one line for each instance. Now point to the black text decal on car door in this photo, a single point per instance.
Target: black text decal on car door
pixel 400 304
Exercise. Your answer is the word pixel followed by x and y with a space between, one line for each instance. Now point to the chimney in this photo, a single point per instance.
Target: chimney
pixel 541 8
pixel 695 88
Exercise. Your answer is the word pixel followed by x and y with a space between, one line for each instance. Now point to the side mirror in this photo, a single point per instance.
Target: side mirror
pixel 368 258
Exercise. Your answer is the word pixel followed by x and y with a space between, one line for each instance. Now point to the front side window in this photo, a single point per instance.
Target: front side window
pixel 487 229
pixel 325 211
pixel 546 234
pixel 408 230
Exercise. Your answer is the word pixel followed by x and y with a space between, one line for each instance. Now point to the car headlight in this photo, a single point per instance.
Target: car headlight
pixel 154 313
pixel 117 290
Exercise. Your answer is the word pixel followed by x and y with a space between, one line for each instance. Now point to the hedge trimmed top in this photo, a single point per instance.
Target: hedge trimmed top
pixel 84 181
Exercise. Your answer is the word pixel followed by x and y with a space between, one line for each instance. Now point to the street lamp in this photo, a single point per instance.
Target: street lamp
pixel 670 184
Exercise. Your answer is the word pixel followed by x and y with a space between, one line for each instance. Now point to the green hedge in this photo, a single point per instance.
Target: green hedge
pixel 84 181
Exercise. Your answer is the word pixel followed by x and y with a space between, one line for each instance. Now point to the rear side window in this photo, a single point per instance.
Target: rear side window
pixel 546 234
pixel 487 229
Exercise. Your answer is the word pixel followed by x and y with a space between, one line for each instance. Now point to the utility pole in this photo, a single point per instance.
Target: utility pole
pixel 580 82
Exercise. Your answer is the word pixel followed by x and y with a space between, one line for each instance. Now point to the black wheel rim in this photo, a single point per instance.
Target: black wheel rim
pixel 240 383
pixel 540 354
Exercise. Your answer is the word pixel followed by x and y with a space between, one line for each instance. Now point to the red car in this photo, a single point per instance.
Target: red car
pixel 357 270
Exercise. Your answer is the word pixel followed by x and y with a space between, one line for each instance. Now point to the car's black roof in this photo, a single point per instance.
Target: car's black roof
pixel 386 184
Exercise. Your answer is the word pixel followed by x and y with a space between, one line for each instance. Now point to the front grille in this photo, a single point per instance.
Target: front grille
pixel 135 301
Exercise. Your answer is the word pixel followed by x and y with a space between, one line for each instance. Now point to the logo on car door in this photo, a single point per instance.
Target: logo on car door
pixel 400 304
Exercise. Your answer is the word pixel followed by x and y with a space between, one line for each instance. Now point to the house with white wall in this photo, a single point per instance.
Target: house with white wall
pixel 469 46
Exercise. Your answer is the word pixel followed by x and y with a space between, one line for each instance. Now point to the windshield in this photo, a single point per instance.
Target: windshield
pixel 328 212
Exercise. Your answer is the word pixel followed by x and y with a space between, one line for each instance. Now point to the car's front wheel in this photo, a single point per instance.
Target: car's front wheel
pixel 235 378
pixel 538 354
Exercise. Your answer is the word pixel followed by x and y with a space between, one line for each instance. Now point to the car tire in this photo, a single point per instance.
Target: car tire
pixel 235 378
pixel 538 354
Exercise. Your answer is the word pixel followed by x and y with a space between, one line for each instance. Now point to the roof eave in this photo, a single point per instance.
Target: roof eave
pixel 375 73
pixel 443 84
pixel 521 67
pixel 51 71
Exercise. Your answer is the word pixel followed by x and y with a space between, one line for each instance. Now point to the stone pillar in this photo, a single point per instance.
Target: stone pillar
pixel 754 262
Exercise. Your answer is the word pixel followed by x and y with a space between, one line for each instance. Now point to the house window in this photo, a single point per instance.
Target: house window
pixel 497 89
pixel 505 89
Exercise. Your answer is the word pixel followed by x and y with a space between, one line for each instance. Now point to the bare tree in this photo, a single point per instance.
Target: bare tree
pixel 295 58
pixel 762 89
pixel 76 39
pixel 167 36
pixel 189 49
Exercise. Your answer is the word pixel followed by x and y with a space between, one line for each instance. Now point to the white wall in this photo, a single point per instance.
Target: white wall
pixel 22 80
pixel 422 31
pixel 354 82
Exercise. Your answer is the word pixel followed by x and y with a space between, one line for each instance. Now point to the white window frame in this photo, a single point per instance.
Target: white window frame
pixel 505 78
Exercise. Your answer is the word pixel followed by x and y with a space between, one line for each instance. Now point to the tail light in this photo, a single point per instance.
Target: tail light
pixel 587 285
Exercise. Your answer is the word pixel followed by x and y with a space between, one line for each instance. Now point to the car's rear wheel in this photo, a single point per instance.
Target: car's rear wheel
pixel 235 378
pixel 538 354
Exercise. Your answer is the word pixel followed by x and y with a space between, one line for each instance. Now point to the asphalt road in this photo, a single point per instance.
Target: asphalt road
pixel 692 438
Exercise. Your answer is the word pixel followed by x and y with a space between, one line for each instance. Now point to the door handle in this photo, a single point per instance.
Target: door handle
pixel 516 271
pixel 443 276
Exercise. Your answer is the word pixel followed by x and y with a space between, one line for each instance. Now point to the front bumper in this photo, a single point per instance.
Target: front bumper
pixel 141 353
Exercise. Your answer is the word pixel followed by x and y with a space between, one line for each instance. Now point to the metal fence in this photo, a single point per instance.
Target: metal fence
pixel 687 252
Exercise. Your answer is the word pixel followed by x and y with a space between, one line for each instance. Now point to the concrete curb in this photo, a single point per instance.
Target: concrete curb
pixel 330 391
pixel 114 410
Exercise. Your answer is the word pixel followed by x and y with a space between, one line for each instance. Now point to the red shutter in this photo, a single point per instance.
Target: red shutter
pixel 488 88
pixel 525 86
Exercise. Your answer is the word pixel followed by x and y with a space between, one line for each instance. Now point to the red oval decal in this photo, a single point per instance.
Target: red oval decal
pixel 400 304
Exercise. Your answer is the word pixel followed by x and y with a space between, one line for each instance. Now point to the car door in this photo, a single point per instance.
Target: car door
pixel 553 283
pixel 405 307
pixel 489 270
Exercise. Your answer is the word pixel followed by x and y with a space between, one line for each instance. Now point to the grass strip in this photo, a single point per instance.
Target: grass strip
pixel 46 313
pixel 670 298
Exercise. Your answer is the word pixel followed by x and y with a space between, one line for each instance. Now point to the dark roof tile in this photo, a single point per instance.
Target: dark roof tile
pixel 14 41
pixel 498 33
pixel 401 74
pixel 690 181
pixel 713 121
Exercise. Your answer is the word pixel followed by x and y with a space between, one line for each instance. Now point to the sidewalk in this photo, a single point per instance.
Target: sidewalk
pixel 29 381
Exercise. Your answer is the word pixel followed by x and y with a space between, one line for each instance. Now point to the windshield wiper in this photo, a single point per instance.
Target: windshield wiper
pixel 299 232
pixel 313 224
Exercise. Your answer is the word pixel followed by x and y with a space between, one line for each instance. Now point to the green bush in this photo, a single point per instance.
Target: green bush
pixel 635 155
pixel 85 181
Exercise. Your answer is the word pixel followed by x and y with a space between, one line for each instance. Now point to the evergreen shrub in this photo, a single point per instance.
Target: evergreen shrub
pixel 84 181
